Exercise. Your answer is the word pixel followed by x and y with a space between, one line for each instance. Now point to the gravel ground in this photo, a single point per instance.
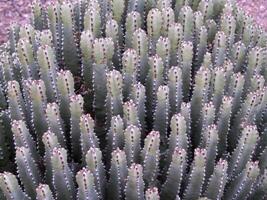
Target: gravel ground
pixel 19 10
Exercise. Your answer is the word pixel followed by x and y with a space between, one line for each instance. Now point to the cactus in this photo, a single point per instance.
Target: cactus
pixel 156 99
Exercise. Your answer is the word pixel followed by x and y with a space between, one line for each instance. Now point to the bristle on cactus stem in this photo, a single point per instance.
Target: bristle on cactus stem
pixel 136 99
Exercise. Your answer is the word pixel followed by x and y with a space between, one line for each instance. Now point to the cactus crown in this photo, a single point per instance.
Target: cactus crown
pixel 156 99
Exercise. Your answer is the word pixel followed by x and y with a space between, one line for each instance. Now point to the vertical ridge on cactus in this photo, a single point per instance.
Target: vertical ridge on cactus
pixel 135 100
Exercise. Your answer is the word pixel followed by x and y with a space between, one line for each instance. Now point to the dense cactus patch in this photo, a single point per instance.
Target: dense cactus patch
pixel 114 99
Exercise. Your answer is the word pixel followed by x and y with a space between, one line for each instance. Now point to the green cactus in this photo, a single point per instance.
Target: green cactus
pixel 118 172
pixel 156 99
pixel 86 185
pixel 43 192
pixel 134 188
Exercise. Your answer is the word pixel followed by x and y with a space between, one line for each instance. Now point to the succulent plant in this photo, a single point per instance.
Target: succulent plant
pixel 134 100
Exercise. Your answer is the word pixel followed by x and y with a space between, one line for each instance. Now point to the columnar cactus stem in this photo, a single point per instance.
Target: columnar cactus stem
pixel 103 50
pixel 22 137
pixel 69 50
pixel 152 194
pixel 167 19
pixel 186 19
pixel 13 37
pixel 201 40
pixel 246 114
pixel 130 114
pixel 139 97
pixel 154 25
pixel 113 31
pixel 199 97
pixel 133 22
pixel 212 29
pixel 255 64
pixel 95 165
pixel 76 110
pixel 243 184
pixel 238 54
pixel 235 90
pixel 54 21
pixel 175 35
pixel 217 181
pixel 15 101
pixel 198 22
pixel 27 170
pixel 132 136
pixel 117 9
pixel 10 187
pixel 48 67
pixel 175 89
pixel 154 80
pixel 210 142
pixel 86 45
pixel 163 48
pixel 44 193
pixel 262 183
pixel 163 4
pixel 114 94
pixel 55 123
pixel 186 113
pixel 65 85
pixel 244 150
pixel 116 133
pixel 207 61
pixel 45 38
pixel 140 44
pixel 219 49
pixel 258 83
pixel 228 26
pixel 178 137
pixel 134 189
pixel 178 5
pixel 102 54
pixel 6 68
pixel 247 35
pixel 207 117
pixel 177 168
pixel 38 15
pixel 206 7
pixel 62 175
pixel 217 87
pixel 138 6
pixel 88 136
pixel 197 175
pixel 50 142
pixel 26 57
pixel 223 124
pixel 37 92
pixel 86 185
pixel 3 101
pixel 161 117
pixel 118 174
pixel 5 139
pixel 186 57
pixel 150 157
pixel 131 68
pixel 27 33
pixel 92 20
pixel 80 7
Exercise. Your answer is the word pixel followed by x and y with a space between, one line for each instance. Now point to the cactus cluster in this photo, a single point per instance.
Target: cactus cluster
pixel 136 99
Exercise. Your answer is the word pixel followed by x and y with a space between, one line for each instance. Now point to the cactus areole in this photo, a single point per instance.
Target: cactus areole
pixel 134 100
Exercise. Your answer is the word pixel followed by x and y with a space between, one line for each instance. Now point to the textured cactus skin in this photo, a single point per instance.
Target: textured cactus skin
pixel 135 100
